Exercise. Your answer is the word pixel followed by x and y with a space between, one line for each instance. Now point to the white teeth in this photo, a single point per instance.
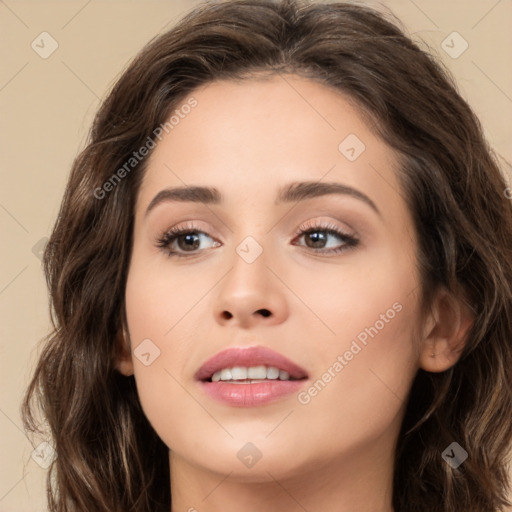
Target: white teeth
pixel 272 372
pixel 257 372
pixel 240 373
pixel 225 374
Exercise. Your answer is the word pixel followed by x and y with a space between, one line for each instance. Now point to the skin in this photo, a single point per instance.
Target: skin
pixel 334 453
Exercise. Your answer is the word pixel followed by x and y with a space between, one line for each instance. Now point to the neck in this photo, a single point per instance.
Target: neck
pixel 354 484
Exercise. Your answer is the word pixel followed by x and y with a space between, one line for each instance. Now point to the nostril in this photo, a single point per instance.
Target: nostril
pixel 264 312
pixel 227 315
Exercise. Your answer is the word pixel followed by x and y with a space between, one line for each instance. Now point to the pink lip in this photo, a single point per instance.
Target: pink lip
pixel 252 394
pixel 248 356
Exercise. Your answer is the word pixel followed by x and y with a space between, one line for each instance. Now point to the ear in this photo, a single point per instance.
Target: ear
pixel 445 334
pixel 124 360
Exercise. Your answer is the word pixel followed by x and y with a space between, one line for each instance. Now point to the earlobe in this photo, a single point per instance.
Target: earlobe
pixel 124 360
pixel 446 332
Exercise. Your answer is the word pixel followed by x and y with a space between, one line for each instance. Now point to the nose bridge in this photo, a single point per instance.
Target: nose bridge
pixel 250 292
pixel 251 237
pixel 249 273
pixel 256 244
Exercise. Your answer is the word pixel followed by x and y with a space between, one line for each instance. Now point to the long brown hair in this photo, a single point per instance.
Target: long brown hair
pixel 109 457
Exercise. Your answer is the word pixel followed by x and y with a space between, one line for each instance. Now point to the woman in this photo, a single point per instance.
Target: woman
pixel 280 279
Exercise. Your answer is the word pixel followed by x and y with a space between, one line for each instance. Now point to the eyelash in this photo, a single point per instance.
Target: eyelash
pixel 349 242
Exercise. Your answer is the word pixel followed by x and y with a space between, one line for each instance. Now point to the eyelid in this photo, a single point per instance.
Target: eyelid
pixel 177 230
pixel 350 240
pixel 323 225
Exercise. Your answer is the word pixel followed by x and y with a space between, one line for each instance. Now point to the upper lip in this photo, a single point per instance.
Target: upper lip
pixel 248 356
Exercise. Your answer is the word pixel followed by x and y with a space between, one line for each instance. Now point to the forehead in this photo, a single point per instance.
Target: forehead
pixel 258 134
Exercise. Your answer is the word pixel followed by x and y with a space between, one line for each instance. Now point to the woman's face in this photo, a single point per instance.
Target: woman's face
pixel 344 308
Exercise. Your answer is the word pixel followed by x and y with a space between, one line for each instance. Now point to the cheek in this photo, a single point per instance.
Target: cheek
pixel 374 290
pixel 358 396
pixel 161 323
pixel 368 356
pixel 366 374
pixel 162 298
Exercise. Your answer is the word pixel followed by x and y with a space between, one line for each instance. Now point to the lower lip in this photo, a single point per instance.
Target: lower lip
pixel 251 395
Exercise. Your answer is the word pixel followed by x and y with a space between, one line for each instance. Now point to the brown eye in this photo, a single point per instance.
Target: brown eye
pixel 178 241
pixel 190 241
pixel 319 237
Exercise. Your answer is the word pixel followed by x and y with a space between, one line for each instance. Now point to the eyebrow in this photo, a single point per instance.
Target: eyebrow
pixel 297 191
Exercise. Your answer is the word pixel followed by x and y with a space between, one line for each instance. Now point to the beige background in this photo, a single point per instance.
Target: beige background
pixel 47 106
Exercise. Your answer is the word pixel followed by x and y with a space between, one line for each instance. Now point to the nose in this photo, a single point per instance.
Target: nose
pixel 250 294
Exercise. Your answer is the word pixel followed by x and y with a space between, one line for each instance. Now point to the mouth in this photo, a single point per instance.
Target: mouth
pixel 249 363
pixel 250 376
